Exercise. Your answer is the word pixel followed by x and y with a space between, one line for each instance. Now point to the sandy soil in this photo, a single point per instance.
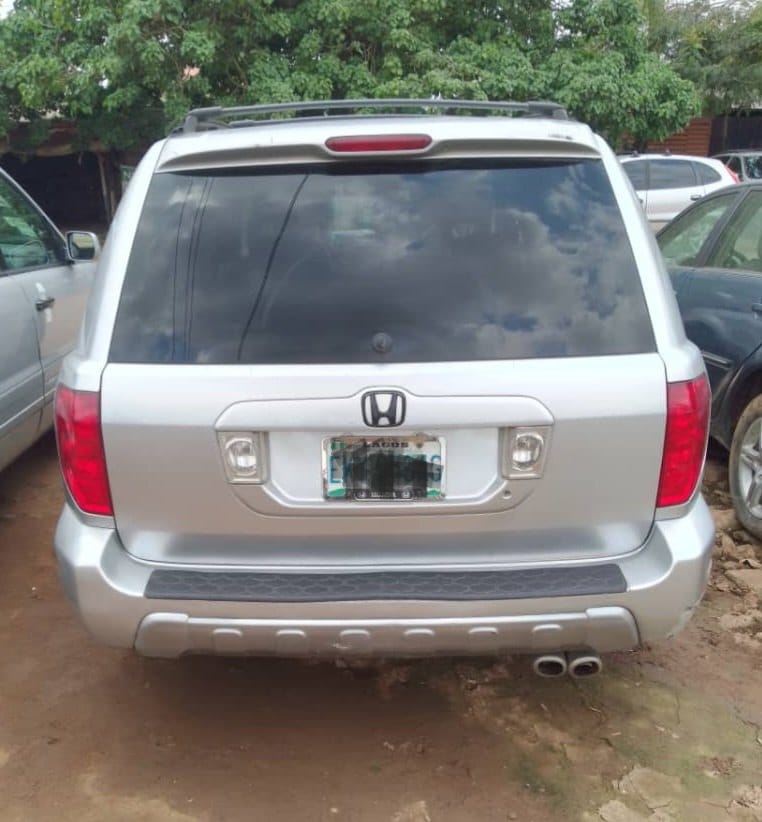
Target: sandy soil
pixel 671 732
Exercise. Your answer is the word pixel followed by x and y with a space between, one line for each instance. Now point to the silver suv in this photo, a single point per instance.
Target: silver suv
pixel 44 281
pixel 387 385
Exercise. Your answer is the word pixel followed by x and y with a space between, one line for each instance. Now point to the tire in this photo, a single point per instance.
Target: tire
pixel 745 468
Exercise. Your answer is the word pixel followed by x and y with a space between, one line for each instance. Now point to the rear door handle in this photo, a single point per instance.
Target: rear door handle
pixel 43 303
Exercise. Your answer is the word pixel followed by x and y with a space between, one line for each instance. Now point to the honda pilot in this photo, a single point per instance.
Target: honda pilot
pixel 383 378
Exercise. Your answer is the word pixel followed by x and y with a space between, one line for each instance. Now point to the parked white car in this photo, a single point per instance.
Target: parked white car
pixel 668 183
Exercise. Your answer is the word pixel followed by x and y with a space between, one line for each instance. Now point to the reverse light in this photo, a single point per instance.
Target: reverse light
pixel 524 452
pixel 378 142
pixel 80 449
pixel 243 454
pixel 685 440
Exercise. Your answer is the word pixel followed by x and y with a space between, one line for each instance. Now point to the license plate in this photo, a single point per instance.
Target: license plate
pixel 383 468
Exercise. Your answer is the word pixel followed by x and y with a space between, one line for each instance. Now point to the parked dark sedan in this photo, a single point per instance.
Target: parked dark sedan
pixel 714 253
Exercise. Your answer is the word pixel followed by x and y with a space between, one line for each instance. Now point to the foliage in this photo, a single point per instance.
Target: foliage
pixel 602 69
pixel 718 47
pixel 125 69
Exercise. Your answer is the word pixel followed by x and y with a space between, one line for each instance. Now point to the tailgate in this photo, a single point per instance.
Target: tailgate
pixel 492 297
pixel 174 502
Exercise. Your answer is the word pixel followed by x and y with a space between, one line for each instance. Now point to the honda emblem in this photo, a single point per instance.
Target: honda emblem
pixel 383 409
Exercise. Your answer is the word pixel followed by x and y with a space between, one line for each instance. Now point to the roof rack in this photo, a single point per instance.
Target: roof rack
pixel 200 119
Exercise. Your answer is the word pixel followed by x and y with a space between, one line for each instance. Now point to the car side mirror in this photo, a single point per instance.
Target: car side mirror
pixel 82 245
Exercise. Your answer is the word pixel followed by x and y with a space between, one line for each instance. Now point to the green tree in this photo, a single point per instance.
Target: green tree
pixel 124 70
pixel 601 68
pixel 718 47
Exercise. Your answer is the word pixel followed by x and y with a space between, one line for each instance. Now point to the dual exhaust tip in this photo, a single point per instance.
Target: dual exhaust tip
pixel 579 665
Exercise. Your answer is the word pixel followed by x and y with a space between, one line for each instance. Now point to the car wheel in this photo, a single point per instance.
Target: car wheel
pixel 745 468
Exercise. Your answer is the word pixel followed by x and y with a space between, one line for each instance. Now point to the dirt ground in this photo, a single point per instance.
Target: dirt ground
pixel 672 732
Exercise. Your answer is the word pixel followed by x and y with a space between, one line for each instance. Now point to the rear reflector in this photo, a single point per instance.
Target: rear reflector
pixel 379 142
pixel 80 448
pixel 684 441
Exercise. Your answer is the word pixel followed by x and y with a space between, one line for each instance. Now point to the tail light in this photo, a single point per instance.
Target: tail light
pixel 378 142
pixel 684 441
pixel 736 178
pixel 80 448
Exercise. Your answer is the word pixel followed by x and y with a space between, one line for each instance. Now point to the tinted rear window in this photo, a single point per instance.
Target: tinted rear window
pixel 387 263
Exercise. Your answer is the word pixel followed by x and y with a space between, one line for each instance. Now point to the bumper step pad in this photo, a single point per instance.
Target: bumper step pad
pixel 244 586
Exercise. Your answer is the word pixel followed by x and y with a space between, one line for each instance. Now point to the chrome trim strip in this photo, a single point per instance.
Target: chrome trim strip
pixel 714 359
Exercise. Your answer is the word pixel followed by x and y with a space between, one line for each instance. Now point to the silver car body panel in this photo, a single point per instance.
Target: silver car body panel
pixel 20 371
pixel 608 430
pixel 174 507
pixel 58 326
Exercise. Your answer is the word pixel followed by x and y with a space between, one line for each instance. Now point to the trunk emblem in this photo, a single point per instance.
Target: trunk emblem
pixel 383 409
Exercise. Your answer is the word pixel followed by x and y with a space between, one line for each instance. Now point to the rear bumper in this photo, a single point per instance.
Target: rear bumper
pixel 169 611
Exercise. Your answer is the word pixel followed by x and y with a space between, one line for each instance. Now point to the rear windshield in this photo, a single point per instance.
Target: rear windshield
pixel 356 263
